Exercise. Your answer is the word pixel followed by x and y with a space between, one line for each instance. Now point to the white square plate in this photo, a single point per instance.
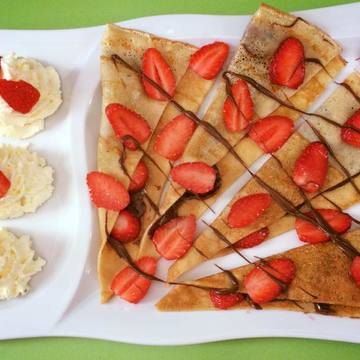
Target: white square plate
pixel 64 299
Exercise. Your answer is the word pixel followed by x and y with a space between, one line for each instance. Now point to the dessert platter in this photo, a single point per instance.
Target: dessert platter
pixel 162 184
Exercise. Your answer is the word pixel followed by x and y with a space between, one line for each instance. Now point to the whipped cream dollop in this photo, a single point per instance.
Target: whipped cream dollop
pixel 18 263
pixel 31 181
pixel 45 79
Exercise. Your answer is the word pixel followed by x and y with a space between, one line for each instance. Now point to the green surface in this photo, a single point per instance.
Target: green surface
pixel 45 14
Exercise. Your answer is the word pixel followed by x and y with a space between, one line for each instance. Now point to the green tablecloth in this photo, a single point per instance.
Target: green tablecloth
pixel 49 14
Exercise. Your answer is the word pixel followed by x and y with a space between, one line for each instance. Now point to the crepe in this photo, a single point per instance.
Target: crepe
pixel 202 147
pixel 207 244
pixel 122 85
pixel 322 270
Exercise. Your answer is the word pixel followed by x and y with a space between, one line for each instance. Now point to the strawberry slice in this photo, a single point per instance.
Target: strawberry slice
pixel 287 67
pixel 271 132
pixel 313 234
pixel 4 184
pixel 237 116
pixel 253 239
pixel 19 95
pixel 107 192
pixel 127 227
pixel 130 285
pixel 355 270
pixel 349 136
pixel 311 167
pixel 127 122
pixel 262 287
pixel 209 59
pixel 247 209
pixel 139 177
pixel 224 301
pixel 173 239
pixel 157 69
pixel 197 177
pixel 174 136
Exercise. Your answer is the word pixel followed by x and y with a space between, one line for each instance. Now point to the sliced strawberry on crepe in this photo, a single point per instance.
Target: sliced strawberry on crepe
pixel 197 177
pixel 4 184
pixel 238 115
pixel 311 167
pixel 139 177
pixel 127 227
pixel 173 239
pixel 127 122
pixel 174 136
pixel 260 283
pixel 247 209
pixel 349 136
pixel 157 69
pixel 209 59
pixel 287 66
pixel 19 95
pixel 253 239
pixel 271 132
pixel 224 301
pixel 130 285
pixel 107 192
pixel 355 270
pixel 313 234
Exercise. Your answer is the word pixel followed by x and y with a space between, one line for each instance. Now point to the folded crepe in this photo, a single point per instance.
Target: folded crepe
pixel 202 147
pixel 207 245
pixel 322 271
pixel 122 85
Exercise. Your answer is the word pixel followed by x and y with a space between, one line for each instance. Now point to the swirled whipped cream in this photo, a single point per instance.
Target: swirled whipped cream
pixel 31 181
pixel 18 264
pixel 45 79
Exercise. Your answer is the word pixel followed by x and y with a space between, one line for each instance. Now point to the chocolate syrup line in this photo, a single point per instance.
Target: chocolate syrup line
pixel 121 251
pixel 269 94
pixel 298 18
pixel 324 309
pixel 123 167
pixel 339 185
pixel 332 153
pixel 340 242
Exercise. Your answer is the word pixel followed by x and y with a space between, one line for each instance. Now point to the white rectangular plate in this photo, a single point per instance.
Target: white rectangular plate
pixel 65 299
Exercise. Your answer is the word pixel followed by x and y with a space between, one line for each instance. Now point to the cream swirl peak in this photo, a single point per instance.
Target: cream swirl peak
pixel 45 79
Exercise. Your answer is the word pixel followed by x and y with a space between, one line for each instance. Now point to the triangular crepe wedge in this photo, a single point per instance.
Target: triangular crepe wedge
pixel 344 197
pixel 322 270
pixel 122 85
pixel 201 145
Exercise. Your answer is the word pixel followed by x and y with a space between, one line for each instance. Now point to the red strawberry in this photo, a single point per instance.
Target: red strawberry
pixel 311 167
pixel 247 209
pixel 157 69
pixel 173 239
pixel 237 116
pixel 130 285
pixel 107 192
pixel 313 234
pixel 127 122
pixel 262 287
pixel 139 177
pixel 4 184
pixel 20 95
pixel 174 136
pixel 271 132
pixel 197 177
pixel 224 301
pixel 350 136
pixel 253 239
pixel 355 270
pixel 287 66
pixel 127 227
pixel 209 59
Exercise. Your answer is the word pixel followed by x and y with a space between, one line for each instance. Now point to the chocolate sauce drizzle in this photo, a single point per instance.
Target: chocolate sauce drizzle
pixel 295 21
pixel 324 309
pixel 121 251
